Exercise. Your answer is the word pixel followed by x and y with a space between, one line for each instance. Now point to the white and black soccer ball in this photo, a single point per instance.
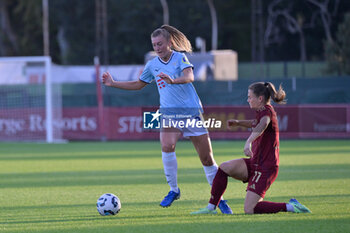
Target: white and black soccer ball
pixel 108 204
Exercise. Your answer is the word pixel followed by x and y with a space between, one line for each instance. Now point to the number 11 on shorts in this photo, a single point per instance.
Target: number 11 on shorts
pixel 256 176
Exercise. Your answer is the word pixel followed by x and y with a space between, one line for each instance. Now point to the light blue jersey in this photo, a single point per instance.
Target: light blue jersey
pixel 175 99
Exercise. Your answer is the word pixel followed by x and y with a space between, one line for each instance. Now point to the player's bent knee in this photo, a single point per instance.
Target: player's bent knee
pixel 168 148
pixel 224 166
pixel 228 168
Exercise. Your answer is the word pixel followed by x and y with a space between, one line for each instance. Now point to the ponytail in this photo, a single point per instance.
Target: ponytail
pixel 268 90
pixel 178 40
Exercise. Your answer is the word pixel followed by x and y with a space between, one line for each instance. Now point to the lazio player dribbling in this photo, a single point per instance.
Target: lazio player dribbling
pixel 173 74
pixel 173 98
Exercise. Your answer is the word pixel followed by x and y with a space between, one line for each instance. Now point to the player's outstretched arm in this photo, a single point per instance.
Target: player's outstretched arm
pixel 243 123
pixel 108 80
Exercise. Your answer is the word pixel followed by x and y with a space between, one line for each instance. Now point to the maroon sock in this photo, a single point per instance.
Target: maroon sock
pixel 265 207
pixel 218 187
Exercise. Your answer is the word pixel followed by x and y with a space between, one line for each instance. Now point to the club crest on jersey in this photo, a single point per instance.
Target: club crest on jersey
pixel 185 61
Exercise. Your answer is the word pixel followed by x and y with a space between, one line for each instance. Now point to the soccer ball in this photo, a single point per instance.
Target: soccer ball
pixel 108 204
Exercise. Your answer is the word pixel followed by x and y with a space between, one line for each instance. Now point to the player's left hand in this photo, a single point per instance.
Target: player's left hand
pixel 166 78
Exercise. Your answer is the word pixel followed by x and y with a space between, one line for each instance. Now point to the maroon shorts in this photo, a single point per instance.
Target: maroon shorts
pixel 260 179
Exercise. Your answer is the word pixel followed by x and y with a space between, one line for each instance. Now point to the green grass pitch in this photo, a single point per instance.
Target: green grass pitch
pixel 53 188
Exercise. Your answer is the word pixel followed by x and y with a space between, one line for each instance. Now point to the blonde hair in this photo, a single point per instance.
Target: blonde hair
pixel 179 41
pixel 268 90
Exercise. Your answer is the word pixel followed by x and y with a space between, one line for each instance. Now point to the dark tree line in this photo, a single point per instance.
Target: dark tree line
pixel 338 51
pixel 293 29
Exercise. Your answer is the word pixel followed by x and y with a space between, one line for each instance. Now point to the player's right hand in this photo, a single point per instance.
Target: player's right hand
pixel 232 123
pixel 107 79
pixel 248 149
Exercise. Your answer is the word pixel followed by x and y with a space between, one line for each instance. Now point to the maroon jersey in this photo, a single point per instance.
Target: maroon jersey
pixel 265 148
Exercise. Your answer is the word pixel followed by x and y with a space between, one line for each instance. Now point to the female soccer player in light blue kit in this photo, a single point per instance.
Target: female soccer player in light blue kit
pixel 173 74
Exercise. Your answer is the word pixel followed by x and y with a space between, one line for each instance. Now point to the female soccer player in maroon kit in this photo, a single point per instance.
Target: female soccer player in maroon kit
pixel 262 147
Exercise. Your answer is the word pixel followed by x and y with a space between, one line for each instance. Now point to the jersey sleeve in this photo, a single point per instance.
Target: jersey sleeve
pixel 146 75
pixel 266 112
pixel 185 63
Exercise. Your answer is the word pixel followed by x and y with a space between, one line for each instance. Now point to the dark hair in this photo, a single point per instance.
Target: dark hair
pixel 268 90
pixel 178 40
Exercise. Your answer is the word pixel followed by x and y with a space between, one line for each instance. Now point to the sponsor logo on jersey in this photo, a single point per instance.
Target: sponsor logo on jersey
pixel 161 83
